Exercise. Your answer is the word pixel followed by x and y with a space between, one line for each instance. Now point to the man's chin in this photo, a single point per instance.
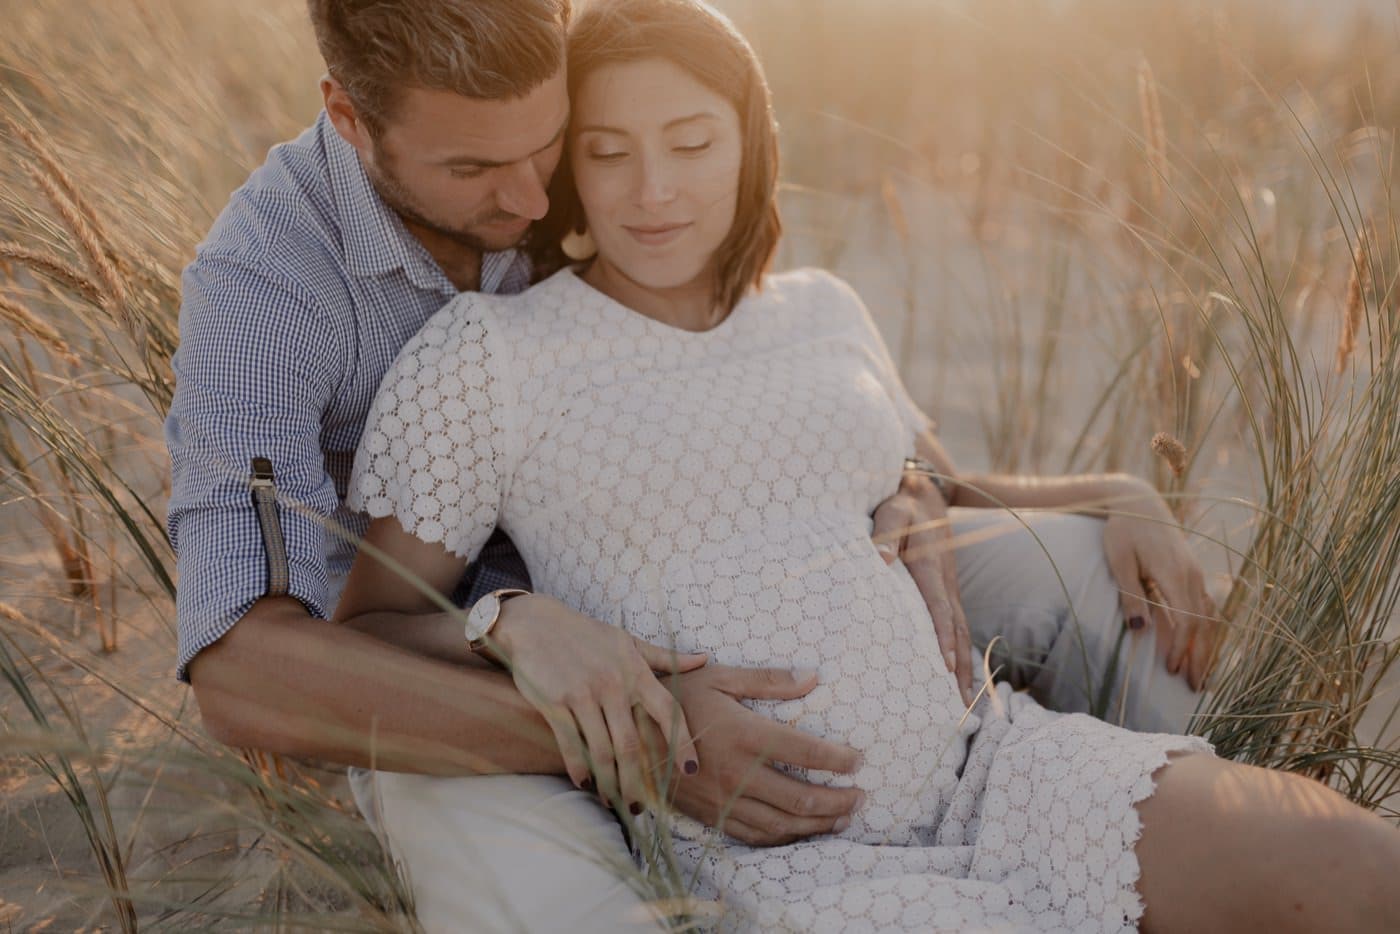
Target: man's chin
pixel 497 237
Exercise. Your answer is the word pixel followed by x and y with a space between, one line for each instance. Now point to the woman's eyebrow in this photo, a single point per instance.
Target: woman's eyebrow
pixel 670 124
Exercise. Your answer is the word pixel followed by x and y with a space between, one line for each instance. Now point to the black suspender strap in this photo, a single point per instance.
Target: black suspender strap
pixel 274 545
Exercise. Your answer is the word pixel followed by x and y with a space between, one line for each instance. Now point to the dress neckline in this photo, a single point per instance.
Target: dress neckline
pixel 616 308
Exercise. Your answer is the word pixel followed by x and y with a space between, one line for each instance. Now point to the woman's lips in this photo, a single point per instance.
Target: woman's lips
pixel 655 234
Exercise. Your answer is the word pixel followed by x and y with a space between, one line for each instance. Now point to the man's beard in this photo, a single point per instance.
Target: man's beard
pixel 394 194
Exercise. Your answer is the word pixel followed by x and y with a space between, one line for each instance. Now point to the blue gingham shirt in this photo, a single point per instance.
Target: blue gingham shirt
pixel 293 310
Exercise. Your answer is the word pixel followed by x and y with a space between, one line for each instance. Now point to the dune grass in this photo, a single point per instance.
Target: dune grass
pixel 1079 226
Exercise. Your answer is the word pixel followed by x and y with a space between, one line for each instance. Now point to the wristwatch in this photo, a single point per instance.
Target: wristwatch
pixel 921 466
pixel 484 615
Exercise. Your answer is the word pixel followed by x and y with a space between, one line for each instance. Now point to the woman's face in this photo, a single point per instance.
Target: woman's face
pixel 656 159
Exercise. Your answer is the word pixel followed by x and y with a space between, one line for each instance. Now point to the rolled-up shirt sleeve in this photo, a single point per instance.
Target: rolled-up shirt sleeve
pixel 254 374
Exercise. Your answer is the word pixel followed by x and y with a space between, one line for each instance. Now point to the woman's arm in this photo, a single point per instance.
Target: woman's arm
pixel 1159 577
pixel 390 592
pixel 584 676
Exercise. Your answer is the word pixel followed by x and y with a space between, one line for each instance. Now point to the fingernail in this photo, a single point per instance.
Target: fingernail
pixel 804 674
pixel 635 808
pixel 842 823
pixel 951 660
pixel 586 784
pixel 691 766
pixel 1136 622
pixel 860 801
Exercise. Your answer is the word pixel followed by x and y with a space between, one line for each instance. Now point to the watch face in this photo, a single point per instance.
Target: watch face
pixel 481 615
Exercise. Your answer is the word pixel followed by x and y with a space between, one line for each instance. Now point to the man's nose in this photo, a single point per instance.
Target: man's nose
pixel 522 191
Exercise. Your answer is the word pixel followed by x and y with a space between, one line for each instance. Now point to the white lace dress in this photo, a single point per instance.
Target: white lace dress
pixel 714 491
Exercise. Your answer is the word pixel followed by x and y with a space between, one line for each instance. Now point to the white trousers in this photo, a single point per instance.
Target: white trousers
pixel 532 853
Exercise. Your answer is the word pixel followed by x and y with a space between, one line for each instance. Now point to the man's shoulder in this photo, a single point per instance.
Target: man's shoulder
pixel 284 217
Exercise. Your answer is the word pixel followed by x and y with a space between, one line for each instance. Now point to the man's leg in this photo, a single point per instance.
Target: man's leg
pixel 508 853
pixel 1040 582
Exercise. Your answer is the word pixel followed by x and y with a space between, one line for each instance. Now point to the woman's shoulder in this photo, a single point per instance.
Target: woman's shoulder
pixel 816 290
pixel 478 316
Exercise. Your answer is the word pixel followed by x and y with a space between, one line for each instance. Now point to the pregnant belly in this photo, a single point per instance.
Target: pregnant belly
pixel 816 594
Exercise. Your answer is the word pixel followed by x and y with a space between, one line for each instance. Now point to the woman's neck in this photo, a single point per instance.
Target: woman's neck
pixel 690 307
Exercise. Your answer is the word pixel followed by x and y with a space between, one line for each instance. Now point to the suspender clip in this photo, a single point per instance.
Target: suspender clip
pixel 264 487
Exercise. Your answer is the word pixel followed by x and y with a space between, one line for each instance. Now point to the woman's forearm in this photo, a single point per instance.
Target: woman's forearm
pixel 436 635
pixel 1087 494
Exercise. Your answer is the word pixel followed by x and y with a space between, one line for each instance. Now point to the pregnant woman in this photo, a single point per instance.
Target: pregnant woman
pixel 691 448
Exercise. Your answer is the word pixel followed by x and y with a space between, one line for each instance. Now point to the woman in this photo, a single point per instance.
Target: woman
pixel 690 448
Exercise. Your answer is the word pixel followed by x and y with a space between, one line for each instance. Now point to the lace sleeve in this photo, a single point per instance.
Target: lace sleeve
pixel 433 454
pixel 849 303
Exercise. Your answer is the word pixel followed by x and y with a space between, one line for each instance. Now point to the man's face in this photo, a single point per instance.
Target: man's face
pixel 472 171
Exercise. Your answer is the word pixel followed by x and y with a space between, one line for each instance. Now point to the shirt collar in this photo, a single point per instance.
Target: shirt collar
pixel 375 239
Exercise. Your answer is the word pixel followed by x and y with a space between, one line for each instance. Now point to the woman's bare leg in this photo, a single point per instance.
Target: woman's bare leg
pixel 1232 847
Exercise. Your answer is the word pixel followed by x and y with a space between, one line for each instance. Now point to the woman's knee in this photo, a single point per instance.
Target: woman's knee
pixel 1227 845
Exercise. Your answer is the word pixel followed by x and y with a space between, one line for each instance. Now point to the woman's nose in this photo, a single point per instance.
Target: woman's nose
pixel 656 184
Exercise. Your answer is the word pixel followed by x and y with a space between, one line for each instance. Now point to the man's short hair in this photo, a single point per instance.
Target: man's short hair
pixel 486 49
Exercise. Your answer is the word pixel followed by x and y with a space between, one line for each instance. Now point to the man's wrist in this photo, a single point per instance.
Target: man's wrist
pixel 941 482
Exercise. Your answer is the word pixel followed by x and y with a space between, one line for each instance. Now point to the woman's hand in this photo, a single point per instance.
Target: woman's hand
pixel 1161 580
pixel 743 789
pixel 586 677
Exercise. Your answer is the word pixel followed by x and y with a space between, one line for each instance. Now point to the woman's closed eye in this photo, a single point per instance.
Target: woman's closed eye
pixel 612 155
pixel 617 155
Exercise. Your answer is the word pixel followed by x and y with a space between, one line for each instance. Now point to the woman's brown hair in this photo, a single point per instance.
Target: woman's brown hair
pixel 704 44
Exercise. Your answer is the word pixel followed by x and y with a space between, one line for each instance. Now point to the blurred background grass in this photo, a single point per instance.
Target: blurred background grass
pixel 1078 222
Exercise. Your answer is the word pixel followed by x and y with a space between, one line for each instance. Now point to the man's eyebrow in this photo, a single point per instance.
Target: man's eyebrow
pixel 600 128
pixel 474 162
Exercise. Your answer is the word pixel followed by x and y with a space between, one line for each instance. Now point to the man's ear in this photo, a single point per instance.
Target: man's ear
pixel 344 117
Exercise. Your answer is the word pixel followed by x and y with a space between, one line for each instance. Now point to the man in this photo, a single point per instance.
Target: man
pixel 443 122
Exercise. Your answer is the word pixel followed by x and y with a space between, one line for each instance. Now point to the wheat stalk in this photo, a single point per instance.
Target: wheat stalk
pixel 1153 130
pixel 1355 306
pixel 23 321
pixel 55 268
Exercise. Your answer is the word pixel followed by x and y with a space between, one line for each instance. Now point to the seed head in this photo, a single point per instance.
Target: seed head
pixel 1170 450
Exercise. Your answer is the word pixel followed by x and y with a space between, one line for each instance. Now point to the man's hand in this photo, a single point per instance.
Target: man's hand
pixel 912 526
pixel 737 789
pixel 1161 581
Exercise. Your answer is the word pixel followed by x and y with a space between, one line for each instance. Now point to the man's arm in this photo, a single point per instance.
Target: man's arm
pixel 284 681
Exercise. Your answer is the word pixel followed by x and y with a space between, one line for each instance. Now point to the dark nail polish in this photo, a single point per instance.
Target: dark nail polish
pixel 1136 623
pixel 691 766
pixel 587 784
pixel 635 808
